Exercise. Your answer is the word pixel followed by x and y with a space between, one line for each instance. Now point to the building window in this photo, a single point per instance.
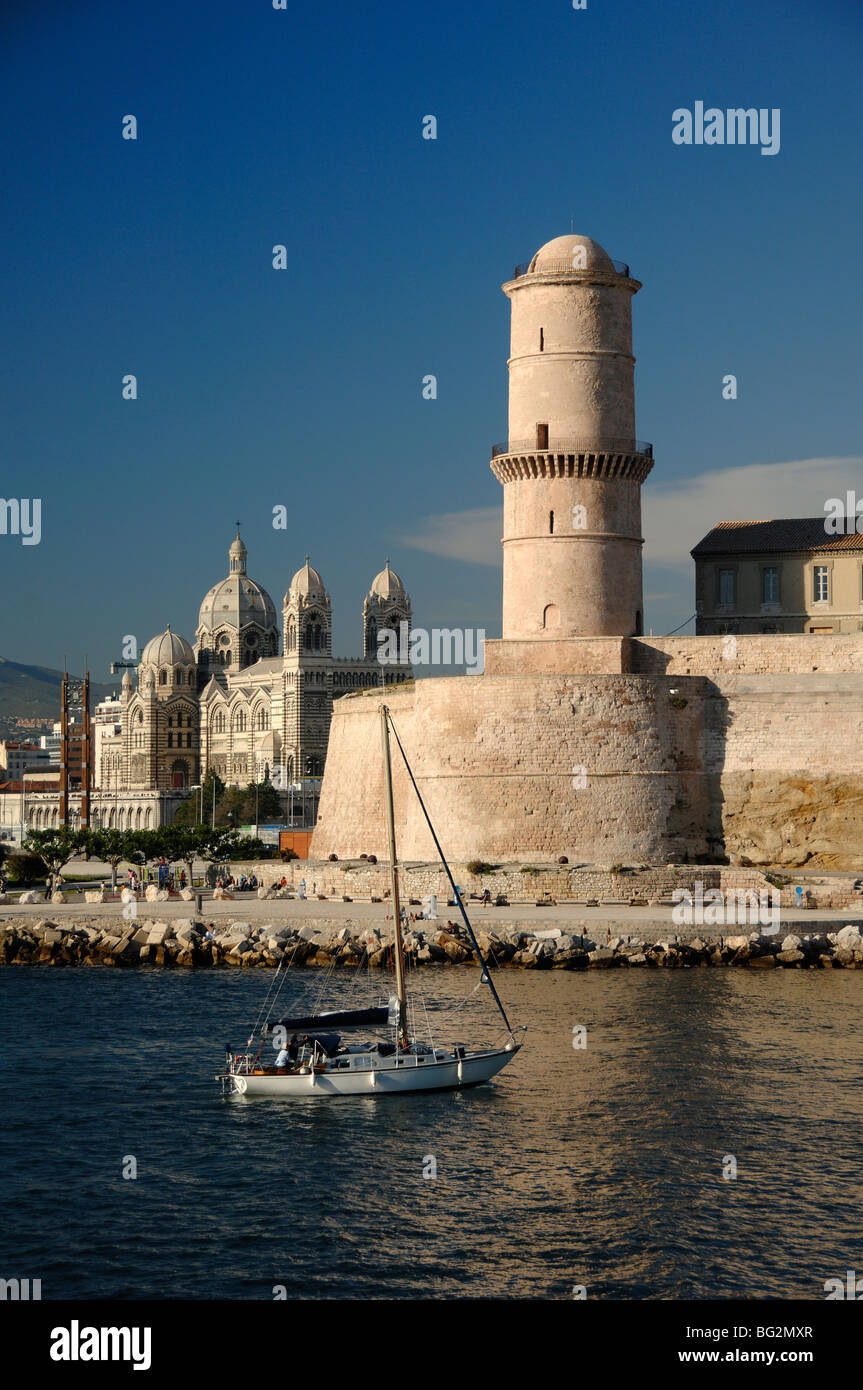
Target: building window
pixel 163 678
pixel 541 341
pixel 770 585
pixel 170 740
pixel 820 584
pixel 551 523
pixel 726 587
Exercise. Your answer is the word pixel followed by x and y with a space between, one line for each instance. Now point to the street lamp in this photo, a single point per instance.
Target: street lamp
pixel 198 787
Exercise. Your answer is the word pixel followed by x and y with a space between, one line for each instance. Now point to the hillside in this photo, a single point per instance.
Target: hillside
pixel 30 692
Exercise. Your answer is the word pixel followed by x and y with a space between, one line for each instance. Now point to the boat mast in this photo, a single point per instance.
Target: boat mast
pixel 394 881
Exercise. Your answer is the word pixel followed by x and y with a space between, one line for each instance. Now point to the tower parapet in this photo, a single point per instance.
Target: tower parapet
pixel 572 468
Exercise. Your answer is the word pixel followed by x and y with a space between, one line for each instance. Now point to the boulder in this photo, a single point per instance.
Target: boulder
pixel 154 894
pixel 223 894
pixel 790 957
pixel 791 943
pixel 97 895
pixel 186 894
pixel 849 938
pixel 32 896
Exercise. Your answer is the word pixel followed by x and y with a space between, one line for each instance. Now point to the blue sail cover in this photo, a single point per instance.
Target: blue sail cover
pixel 346 1018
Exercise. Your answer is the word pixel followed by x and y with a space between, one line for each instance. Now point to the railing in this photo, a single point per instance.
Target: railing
pixel 565 267
pixel 573 446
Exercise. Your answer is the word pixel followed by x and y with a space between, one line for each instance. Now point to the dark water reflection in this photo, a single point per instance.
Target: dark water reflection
pixel 600 1167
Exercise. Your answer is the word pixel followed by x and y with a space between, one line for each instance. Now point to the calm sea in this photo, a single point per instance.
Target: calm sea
pixel 600 1167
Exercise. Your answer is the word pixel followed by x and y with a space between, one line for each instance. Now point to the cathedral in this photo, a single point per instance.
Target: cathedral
pixel 232 704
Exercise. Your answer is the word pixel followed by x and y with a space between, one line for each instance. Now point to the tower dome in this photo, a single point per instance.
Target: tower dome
pixel 167 649
pixel 307 583
pixel 387 585
pixel 570 252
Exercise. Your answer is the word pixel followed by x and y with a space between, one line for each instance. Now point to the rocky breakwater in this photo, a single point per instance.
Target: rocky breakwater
pixel 323 943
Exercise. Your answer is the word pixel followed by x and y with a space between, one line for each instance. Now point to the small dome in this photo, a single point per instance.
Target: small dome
pixel 570 253
pixel 167 649
pixel 308 582
pixel 387 585
pixel 237 555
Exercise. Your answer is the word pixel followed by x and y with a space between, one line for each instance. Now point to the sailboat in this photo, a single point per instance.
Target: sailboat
pixel 315 1060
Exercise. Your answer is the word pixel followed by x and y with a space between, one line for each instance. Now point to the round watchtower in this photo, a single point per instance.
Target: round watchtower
pixel 571 469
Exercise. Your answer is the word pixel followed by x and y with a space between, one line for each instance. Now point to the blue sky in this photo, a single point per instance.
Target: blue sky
pixel 303 387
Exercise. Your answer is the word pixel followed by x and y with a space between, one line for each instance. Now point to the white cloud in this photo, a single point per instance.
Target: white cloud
pixel 677 515
pixel 473 536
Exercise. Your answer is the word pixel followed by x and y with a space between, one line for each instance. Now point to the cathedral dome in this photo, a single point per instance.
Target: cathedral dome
pixel 308 582
pixel 560 254
pixel 237 600
pixel 167 649
pixel 387 585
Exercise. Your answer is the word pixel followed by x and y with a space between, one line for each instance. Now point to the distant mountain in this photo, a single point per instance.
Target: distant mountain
pixel 28 692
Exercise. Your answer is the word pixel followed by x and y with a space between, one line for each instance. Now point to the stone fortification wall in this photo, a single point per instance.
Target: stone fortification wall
pixel 715 657
pixel 514 767
pixel 719 657
pixel 762 767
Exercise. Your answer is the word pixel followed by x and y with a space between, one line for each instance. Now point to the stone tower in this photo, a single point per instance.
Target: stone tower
pixel 571 469
pixel 307 615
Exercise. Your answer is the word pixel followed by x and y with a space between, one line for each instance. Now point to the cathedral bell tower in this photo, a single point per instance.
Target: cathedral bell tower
pixel 571 469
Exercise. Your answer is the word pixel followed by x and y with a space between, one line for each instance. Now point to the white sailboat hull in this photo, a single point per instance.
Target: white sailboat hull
pixel 383 1076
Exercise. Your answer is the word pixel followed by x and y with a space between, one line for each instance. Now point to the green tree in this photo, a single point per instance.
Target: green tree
pixel 197 809
pixel 112 847
pixel 56 847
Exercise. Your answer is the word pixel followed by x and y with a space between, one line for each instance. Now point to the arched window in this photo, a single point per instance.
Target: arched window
pixel 219 722
pixel 240 721
pixel 163 677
